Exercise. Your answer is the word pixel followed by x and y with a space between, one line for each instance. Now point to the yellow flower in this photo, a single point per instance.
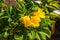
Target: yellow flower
pixel 39 13
pixel 35 25
pixel 36 14
pixel 40 10
pixel 26 21
pixel 42 15
pixel 35 21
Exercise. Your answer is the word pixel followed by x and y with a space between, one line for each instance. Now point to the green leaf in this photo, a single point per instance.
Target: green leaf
pixel 35 7
pixel 19 0
pixel 25 37
pixel 49 0
pixel 54 14
pixel 4 17
pixel 32 35
pixel 17 37
pixel 6 34
pixel 21 3
pixel 10 9
pixel 37 36
pixel 1 35
pixel 55 4
pixel 9 20
pixel 42 36
pixel 46 10
pixel 1 14
pixel 7 28
pixel 51 7
pixel 46 32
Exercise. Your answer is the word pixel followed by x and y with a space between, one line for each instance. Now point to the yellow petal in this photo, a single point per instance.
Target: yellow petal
pixel 39 10
pixel 26 21
pixel 35 19
pixel 39 13
pixel 35 25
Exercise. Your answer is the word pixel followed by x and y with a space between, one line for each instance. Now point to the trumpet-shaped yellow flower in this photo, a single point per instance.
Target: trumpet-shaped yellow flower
pixel 35 21
pixel 26 21
pixel 39 13
pixel 40 10
pixel 30 22
pixel 35 25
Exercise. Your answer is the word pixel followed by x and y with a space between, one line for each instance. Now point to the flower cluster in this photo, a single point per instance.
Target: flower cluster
pixel 33 21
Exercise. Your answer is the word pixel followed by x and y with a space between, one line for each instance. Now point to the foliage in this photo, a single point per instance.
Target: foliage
pixel 15 20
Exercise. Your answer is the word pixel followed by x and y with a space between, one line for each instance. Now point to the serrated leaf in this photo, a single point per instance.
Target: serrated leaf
pixel 54 14
pixel 46 32
pixel 37 36
pixel 42 36
pixel 32 35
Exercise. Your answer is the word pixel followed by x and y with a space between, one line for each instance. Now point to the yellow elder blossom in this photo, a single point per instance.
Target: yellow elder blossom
pixel 26 21
pixel 35 21
pixel 30 22
pixel 35 25
pixel 39 13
